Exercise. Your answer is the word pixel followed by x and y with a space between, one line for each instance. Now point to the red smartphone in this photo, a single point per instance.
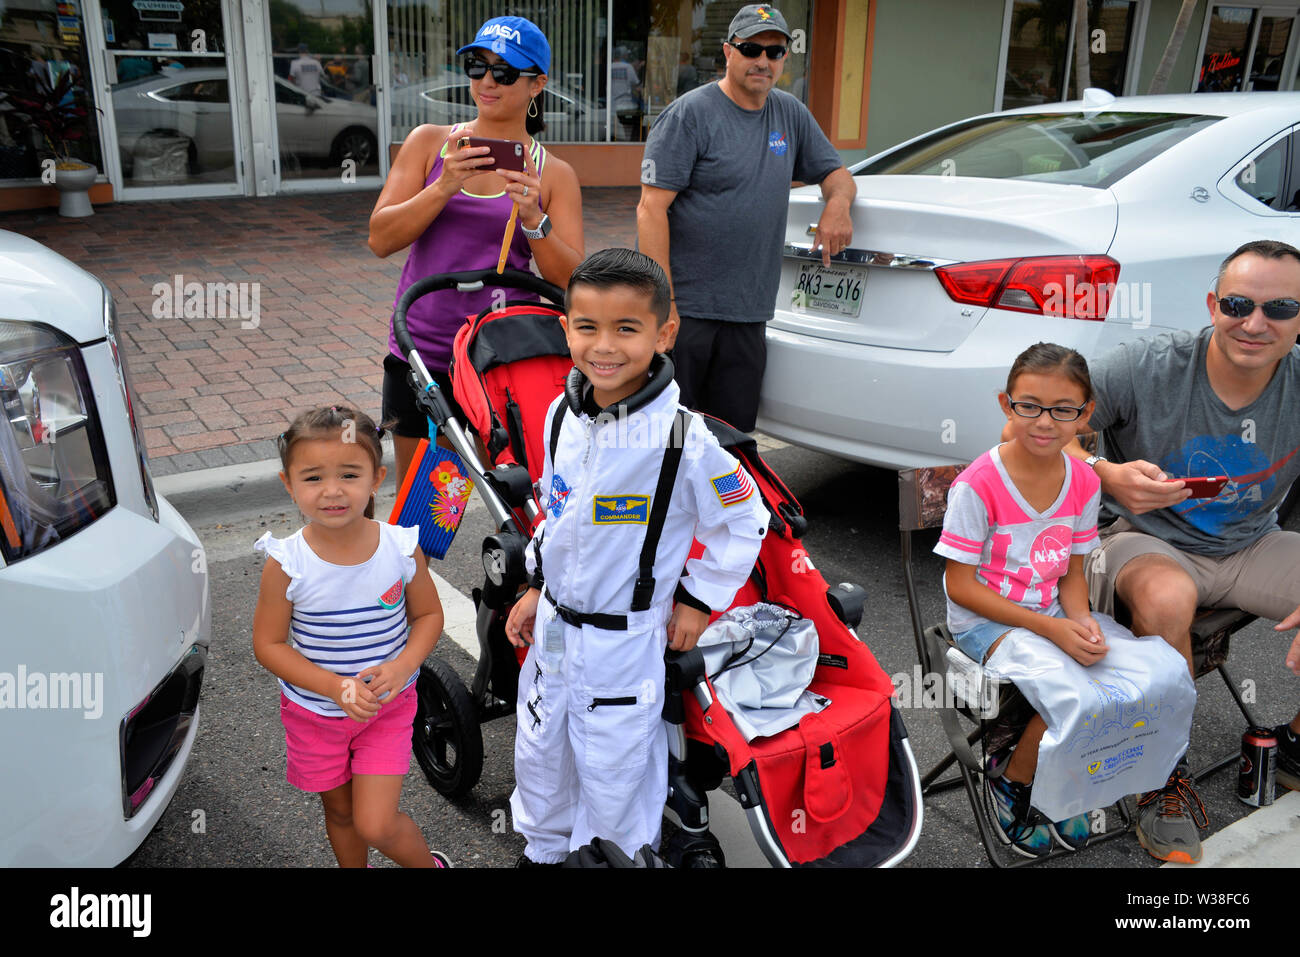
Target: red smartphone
pixel 509 154
pixel 1205 486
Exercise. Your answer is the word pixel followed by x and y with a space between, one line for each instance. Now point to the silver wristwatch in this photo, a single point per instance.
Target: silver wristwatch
pixel 1092 460
pixel 542 229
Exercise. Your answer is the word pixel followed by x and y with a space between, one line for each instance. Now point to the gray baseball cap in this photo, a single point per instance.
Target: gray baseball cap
pixel 757 18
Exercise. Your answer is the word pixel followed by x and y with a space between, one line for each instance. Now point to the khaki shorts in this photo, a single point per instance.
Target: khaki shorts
pixel 1263 578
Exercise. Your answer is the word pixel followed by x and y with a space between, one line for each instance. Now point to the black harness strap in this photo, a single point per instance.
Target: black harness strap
pixel 556 421
pixel 643 592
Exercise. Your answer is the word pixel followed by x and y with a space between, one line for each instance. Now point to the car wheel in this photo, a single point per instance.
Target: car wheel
pixel 354 143
pixel 447 738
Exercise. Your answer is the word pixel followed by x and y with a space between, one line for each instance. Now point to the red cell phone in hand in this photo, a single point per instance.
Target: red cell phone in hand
pixel 509 154
pixel 1204 486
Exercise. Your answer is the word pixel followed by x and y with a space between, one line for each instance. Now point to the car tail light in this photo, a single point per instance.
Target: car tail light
pixel 54 472
pixel 1075 287
pixel 124 380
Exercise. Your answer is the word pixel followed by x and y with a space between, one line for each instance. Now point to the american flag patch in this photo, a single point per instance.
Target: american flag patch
pixel 733 487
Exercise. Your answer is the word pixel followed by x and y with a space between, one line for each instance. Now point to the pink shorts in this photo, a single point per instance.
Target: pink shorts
pixel 325 752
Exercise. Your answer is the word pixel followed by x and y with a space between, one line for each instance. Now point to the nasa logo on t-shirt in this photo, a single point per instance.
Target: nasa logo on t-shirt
pixel 776 143
pixel 1050 553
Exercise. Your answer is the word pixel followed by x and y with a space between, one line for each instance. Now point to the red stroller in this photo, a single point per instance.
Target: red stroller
pixel 839 789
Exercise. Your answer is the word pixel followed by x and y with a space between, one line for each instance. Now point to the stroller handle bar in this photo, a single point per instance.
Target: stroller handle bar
pixel 466 282
pixel 430 401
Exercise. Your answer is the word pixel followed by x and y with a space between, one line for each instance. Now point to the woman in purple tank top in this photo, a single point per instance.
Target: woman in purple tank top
pixel 451 208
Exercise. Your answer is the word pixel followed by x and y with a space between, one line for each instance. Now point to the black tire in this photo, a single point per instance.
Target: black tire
pixel 355 143
pixel 447 739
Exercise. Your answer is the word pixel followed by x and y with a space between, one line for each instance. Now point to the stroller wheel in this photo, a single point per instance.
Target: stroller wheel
pixel 447 739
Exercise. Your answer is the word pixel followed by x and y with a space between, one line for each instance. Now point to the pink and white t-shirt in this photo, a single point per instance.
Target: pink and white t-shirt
pixel 1022 554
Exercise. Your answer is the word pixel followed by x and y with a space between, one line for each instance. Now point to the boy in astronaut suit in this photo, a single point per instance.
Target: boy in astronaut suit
pixel 591 750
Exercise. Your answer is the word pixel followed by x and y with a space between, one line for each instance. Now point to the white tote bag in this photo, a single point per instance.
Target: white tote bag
pixel 1114 728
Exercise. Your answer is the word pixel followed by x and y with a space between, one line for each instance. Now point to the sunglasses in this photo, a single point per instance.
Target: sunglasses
pixel 1061 413
pixel 750 51
pixel 503 73
pixel 1239 307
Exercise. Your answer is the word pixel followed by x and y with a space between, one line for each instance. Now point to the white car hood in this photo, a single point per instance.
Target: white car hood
pixel 38 285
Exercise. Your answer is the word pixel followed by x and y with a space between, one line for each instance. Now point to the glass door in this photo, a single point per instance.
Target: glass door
pixel 174 110
pixel 1245 48
pixel 326 114
pixel 1275 28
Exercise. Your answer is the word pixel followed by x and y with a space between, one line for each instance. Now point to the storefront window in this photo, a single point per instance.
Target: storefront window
pixel 429 85
pixel 325 113
pixel 663 48
pixel 44 71
pixel 1036 53
pixel 1270 51
pixel 1110 29
pixel 1223 65
pixel 659 49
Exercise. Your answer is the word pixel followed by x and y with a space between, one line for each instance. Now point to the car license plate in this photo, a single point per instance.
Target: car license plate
pixel 835 289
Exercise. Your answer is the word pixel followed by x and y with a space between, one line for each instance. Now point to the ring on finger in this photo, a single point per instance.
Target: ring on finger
pixel 525 191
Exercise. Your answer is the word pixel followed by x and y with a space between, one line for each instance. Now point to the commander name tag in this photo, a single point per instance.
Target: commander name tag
pixel 620 509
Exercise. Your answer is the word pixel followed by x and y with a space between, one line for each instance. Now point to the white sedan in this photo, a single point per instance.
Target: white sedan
pixel 104 612
pixel 1085 223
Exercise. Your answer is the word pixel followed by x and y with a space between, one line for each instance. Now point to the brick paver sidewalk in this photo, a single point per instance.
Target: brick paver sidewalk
pixel 212 393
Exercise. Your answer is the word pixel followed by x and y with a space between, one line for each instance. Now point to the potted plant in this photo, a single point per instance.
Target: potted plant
pixel 52 110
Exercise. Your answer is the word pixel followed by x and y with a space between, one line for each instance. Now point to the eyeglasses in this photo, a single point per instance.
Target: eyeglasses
pixel 1239 307
pixel 750 51
pixel 1061 413
pixel 503 73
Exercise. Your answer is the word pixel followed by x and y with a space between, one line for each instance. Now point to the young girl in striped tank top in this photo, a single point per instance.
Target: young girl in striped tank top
pixel 336 600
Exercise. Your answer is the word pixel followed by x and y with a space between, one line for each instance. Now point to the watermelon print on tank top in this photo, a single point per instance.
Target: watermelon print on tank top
pixel 465 236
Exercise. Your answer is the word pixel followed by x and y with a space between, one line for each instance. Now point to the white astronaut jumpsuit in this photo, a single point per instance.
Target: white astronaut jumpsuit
pixel 591 749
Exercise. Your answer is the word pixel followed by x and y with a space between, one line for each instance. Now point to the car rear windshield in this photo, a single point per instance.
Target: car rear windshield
pixel 1078 149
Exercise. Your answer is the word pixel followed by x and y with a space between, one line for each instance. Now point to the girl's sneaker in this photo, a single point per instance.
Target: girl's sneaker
pixel 441 860
pixel 1072 833
pixel 1019 825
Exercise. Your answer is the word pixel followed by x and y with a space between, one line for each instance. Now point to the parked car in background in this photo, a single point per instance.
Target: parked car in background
pixel 189 111
pixel 103 586
pixel 1086 223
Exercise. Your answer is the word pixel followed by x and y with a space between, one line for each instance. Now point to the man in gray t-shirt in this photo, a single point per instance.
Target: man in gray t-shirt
pixel 1222 402
pixel 715 189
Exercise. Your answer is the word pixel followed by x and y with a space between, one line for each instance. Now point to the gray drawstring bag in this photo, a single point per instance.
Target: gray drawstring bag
pixel 760 659
pixel 1114 728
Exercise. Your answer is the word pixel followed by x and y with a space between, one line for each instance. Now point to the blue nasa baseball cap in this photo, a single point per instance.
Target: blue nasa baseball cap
pixel 516 40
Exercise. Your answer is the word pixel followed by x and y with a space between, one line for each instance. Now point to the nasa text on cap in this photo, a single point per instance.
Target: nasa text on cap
pixel 516 40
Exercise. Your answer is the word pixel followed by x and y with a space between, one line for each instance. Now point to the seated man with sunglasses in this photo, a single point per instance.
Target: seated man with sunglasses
pixel 1224 401
pixel 715 189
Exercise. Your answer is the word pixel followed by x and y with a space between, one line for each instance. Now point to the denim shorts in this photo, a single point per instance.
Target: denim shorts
pixel 975 642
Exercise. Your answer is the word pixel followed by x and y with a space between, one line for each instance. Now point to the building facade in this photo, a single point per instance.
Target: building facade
pixel 189 98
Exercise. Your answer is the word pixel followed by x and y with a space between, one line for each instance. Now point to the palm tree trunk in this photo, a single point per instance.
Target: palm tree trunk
pixel 1082 68
pixel 1160 79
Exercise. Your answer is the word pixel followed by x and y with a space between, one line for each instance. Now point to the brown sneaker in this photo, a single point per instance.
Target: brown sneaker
pixel 1170 820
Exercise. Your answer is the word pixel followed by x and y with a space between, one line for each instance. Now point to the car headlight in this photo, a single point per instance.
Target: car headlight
pixel 124 380
pixel 54 472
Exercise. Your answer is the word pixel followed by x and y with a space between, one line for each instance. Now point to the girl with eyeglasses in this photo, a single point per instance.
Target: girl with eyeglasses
pixel 451 207
pixel 1020 520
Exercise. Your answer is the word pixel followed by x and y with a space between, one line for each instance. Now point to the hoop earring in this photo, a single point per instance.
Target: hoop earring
pixel 532 107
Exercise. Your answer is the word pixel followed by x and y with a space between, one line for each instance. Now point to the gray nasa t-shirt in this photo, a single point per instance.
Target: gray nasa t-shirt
pixel 731 169
pixel 1155 402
